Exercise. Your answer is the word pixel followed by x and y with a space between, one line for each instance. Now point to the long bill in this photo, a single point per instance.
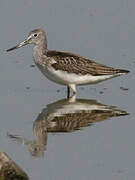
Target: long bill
pixel 18 46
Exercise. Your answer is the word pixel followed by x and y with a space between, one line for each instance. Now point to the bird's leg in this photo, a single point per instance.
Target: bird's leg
pixel 68 92
pixel 73 87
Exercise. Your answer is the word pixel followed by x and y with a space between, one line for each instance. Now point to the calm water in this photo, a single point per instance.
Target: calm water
pixel 103 30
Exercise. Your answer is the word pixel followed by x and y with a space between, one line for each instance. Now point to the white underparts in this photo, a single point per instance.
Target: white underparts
pixel 71 79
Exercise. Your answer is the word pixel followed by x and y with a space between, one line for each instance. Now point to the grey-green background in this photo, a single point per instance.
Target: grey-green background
pixel 103 30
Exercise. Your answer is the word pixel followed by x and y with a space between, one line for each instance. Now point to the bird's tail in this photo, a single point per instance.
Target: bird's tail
pixel 122 71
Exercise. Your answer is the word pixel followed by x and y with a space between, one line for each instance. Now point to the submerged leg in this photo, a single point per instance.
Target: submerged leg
pixel 73 87
pixel 68 92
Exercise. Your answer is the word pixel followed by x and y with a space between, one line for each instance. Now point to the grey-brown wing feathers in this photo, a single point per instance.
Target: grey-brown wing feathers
pixel 79 65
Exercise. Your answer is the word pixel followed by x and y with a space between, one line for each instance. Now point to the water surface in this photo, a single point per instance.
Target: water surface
pixel 101 30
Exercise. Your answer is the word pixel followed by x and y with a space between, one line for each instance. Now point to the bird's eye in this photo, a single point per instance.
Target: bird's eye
pixel 35 35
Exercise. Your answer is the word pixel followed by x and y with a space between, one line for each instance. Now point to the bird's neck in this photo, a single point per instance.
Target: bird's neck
pixel 39 51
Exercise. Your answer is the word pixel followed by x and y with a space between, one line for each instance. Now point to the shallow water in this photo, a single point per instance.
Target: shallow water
pixel 101 30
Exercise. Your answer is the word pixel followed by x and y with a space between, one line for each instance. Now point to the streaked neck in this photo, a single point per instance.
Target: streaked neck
pixel 40 50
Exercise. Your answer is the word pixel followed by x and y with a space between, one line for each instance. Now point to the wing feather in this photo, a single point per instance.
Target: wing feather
pixel 79 65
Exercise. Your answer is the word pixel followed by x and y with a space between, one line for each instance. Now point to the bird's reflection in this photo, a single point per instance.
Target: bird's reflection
pixel 66 115
pixel 9 170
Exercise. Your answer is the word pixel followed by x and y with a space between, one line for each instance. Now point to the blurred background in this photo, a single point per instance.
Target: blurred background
pixel 103 30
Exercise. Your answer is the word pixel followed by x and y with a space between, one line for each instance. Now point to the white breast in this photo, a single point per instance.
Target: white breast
pixel 65 78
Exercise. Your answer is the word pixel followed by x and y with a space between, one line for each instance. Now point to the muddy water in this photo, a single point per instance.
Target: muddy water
pixel 50 137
